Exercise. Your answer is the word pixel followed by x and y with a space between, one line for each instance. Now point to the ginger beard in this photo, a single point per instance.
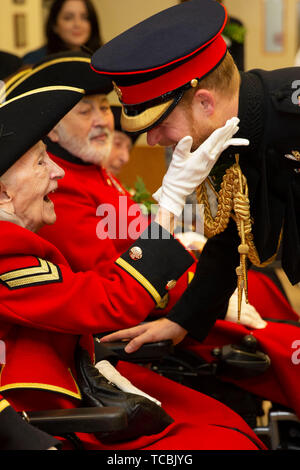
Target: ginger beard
pixel 184 120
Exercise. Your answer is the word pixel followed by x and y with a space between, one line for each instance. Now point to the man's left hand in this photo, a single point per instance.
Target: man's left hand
pixel 151 332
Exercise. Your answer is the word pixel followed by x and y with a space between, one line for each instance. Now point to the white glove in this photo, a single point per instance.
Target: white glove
pixel 189 169
pixel 249 316
pixel 111 374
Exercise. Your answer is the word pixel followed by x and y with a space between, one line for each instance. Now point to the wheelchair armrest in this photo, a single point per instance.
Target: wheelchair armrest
pixel 147 353
pixel 86 420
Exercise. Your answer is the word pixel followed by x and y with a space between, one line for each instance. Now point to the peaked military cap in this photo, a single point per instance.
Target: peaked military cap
pixel 154 62
pixel 69 68
pixel 26 119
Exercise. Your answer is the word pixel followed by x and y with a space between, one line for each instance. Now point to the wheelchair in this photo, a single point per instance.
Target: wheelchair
pixel 281 429
pixel 231 361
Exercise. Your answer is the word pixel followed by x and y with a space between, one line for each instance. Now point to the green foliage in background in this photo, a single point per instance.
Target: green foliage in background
pixel 141 195
pixel 235 32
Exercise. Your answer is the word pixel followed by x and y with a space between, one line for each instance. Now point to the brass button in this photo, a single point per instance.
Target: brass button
pixel 135 252
pixel 117 90
pixel 296 154
pixel 171 284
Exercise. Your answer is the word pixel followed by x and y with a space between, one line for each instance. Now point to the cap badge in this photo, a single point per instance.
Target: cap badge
pixel 117 90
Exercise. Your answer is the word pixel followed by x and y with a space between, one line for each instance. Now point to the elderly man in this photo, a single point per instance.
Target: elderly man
pixel 15 433
pixel 47 309
pixel 81 145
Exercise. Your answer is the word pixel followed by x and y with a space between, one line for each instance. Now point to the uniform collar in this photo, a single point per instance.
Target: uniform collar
pixel 251 127
pixel 250 113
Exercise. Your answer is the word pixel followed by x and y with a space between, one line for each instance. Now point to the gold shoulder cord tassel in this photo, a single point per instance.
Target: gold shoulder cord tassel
pixel 233 196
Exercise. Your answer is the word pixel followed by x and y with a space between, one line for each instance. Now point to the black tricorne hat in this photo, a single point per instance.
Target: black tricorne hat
pixel 26 119
pixel 69 68
pixel 154 62
pixel 9 64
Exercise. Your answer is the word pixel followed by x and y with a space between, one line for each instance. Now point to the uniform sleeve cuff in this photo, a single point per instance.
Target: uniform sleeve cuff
pixel 156 260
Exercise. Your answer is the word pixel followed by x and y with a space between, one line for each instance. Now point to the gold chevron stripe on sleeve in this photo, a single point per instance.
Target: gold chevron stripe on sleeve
pixel 43 267
pixel 45 272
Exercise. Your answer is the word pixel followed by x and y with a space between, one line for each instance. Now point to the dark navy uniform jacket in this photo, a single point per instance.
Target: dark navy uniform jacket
pixel 270 118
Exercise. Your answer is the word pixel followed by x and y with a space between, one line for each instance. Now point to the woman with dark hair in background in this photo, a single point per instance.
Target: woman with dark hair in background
pixel 71 24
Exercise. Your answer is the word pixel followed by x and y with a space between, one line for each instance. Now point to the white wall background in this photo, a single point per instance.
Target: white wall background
pixel 118 15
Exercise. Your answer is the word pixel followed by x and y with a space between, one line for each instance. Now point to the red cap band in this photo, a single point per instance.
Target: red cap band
pixel 197 67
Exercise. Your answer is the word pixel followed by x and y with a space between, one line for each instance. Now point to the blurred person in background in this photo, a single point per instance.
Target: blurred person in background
pixel 71 25
pixel 121 145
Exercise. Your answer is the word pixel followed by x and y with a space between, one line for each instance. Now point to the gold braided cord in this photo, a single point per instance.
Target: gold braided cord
pixel 233 202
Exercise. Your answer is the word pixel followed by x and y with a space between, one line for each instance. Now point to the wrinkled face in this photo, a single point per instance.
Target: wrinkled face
pixel 182 121
pixel 120 152
pixel 29 183
pixel 87 130
pixel 72 24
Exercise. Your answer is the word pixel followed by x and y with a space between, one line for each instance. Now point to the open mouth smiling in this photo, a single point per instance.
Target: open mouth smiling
pixel 46 197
